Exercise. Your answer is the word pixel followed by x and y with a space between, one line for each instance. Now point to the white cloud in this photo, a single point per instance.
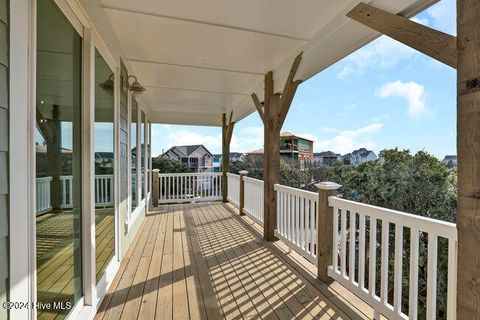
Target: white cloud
pixel 247 139
pixel 383 53
pixel 443 15
pixel 187 137
pixel 347 140
pixel 412 91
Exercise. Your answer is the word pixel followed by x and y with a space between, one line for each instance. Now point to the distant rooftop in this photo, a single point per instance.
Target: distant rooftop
pixel 326 154
pixel 288 134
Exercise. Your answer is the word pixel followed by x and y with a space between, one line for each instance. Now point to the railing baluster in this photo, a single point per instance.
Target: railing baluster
pixel 351 267
pixel 361 249
pixel 302 223
pixel 432 276
pixel 413 278
pixel 384 263
pixel 343 243
pixel 335 239
pixel 372 257
pixel 452 280
pixel 397 291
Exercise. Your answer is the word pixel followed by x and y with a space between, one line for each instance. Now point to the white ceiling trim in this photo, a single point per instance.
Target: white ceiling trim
pixel 271 34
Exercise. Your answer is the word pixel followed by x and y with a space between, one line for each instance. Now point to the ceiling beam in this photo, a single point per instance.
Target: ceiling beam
pixel 191 66
pixel 196 90
pixel 433 43
pixel 218 25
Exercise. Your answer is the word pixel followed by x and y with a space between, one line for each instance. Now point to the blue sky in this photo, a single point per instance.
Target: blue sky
pixel 385 95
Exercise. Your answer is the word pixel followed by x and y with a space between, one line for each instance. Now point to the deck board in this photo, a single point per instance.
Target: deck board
pixel 203 261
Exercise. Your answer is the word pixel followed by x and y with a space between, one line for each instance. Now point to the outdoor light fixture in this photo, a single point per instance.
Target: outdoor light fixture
pixel 135 86
pixel 107 84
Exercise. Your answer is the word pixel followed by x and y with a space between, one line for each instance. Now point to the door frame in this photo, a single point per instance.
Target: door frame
pixel 22 113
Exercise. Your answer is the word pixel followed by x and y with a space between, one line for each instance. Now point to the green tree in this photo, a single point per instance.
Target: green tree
pixel 167 165
pixel 290 175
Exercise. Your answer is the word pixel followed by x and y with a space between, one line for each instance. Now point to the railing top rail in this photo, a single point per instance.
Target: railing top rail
pixel 49 178
pixel 297 192
pixel 104 175
pixel 189 174
pixel 249 179
pixel 233 175
pixel 438 227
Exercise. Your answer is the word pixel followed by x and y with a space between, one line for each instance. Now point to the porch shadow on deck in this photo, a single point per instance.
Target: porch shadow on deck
pixel 203 261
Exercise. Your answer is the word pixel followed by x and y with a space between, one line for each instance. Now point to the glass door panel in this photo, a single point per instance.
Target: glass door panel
pixel 133 152
pixel 104 165
pixel 58 162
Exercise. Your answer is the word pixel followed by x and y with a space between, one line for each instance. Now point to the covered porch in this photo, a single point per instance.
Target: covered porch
pixel 216 245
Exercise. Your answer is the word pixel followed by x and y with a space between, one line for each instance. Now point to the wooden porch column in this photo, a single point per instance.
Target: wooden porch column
pixel 468 149
pixel 325 223
pixel 227 131
pixel 275 108
pixel 155 187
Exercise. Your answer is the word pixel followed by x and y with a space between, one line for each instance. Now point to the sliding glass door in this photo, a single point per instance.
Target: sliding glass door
pixel 104 165
pixel 58 162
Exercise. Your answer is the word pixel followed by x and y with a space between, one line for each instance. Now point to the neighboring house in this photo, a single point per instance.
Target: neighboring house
pixel 196 157
pixel 255 153
pixel 106 159
pixel 292 147
pixel 326 158
pixel 359 156
pixel 450 161
pixel 217 160
pixel 296 148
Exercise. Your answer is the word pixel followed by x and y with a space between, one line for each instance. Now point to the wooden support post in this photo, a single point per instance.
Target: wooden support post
pixel 241 199
pixel 275 109
pixel 227 132
pixel 155 187
pixel 325 223
pixel 434 43
pixel 53 131
pixel 468 148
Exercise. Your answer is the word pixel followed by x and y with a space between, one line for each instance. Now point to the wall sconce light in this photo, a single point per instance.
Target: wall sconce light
pixel 107 84
pixel 135 86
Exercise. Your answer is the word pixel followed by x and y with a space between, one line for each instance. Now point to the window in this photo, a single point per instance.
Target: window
pixel 104 165
pixel 58 160
pixel 142 152
pixel 133 152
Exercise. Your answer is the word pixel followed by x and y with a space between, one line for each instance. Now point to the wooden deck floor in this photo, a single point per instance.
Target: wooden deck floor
pixel 55 269
pixel 203 261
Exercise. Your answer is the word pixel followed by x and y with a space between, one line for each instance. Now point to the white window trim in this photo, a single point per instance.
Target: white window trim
pixel 23 25
pixel 21 165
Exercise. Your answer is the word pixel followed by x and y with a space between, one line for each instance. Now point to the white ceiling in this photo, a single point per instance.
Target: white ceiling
pixel 200 59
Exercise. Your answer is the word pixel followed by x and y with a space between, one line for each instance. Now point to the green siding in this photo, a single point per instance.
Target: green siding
pixel 4 130
pixel 303 144
pixel 125 238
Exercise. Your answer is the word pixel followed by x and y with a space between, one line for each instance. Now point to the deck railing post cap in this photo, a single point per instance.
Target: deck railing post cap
pixel 156 170
pixel 243 172
pixel 327 185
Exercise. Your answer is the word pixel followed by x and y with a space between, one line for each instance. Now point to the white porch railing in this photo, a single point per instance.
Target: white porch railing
pixel 297 220
pixel 346 228
pixel 104 192
pixel 43 194
pixel 253 203
pixel 233 193
pixel 188 187
pixel 66 185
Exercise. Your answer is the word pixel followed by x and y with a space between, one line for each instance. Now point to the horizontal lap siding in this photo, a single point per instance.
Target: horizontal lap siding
pixel 4 128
